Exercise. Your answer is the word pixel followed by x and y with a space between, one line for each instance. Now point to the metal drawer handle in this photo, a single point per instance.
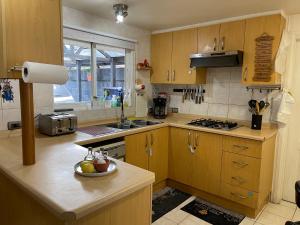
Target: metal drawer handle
pixel 238 179
pixel 190 147
pixel 238 195
pixel 241 147
pixel 240 164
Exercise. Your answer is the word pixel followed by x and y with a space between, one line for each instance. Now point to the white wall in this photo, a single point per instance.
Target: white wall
pixel 225 96
pixel 43 94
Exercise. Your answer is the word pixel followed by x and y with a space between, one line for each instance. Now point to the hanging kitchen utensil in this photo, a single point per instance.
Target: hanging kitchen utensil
pixel 183 95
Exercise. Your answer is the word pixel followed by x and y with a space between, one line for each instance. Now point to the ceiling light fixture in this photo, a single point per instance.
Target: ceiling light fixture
pixel 120 12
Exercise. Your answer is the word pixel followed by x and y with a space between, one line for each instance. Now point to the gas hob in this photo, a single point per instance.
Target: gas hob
pixel 214 124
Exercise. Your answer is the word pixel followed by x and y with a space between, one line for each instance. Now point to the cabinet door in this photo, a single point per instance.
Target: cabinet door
pixel 184 45
pixel 208 38
pixel 232 36
pixel 136 149
pixel 158 160
pixel 33 32
pixel 272 25
pixel 180 156
pixel 207 162
pixel 161 56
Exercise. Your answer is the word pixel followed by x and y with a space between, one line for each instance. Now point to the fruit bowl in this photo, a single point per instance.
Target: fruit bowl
pixel 111 167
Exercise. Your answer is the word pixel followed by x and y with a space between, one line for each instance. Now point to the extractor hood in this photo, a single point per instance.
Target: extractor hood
pixel 217 59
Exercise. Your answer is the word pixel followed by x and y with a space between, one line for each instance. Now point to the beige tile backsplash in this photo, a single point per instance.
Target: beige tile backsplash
pixel 225 96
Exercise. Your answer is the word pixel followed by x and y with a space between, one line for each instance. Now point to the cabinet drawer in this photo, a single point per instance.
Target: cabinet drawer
pixel 242 171
pixel 239 195
pixel 242 146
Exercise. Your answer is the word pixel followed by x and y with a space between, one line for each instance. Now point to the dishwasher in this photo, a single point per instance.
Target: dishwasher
pixel 114 147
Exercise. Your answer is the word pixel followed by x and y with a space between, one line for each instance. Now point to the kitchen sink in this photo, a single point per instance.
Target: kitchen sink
pixel 132 124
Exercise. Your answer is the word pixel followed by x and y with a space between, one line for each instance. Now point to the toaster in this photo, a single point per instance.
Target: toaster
pixel 57 124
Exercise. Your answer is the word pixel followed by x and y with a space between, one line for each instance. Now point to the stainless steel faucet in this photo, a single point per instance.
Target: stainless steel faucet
pixel 123 118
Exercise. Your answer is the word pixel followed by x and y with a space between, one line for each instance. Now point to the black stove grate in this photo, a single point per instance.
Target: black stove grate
pixel 215 124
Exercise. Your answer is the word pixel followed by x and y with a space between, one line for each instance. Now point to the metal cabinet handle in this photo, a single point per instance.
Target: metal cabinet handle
pixel 223 43
pixel 190 147
pixel 197 140
pixel 245 74
pixel 240 164
pixel 146 144
pixel 215 44
pixel 240 147
pixel 174 76
pixel 238 180
pixel 238 195
pixel 152 139
pixel 168 75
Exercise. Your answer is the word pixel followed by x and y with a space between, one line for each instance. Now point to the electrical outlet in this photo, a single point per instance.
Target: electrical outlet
pixel 13 125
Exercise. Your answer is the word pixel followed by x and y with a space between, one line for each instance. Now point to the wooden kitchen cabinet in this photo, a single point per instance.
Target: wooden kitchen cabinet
pixel 180 156
pixel 185 44
pixel 30 31
pixel 272 25
pixel 195 159
pixel 208 38
pixel 149 150
pixel 161 57
pixel 207 162
pixel 170 58
pixel 136 149
pixel 232 36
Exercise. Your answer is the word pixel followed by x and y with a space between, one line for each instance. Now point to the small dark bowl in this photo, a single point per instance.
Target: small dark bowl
pixel 101 167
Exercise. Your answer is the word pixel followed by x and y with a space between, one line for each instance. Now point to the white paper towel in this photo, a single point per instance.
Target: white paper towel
pixel 44 73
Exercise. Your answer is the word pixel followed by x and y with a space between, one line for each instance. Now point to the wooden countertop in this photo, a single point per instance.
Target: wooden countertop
pixel 52 180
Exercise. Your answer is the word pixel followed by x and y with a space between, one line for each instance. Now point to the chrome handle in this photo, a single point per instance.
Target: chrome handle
pixel 168 75
pixel 174 75
pixel 240 164
pixel 146 144
pixel 240 147
pixel 238 195
pixel 245 74
pixel 215 44
pixel 190 147
pixel 238 179
pixel 223 43
pixel 152 139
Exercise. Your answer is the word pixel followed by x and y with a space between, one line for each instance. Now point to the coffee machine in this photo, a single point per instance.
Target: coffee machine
pixel 160 108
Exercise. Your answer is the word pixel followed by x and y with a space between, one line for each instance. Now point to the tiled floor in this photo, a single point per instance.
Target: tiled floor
pixel 272 214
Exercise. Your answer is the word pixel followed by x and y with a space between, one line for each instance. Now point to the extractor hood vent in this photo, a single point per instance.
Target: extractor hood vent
pixel 217 59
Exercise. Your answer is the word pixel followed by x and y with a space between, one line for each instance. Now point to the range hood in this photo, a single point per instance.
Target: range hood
pixel 217 59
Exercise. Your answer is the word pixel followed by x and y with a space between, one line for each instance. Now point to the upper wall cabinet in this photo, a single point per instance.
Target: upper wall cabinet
pixel 232 36
pixel 31 30
pixel 161 57
pixel 170 58
pixel 221 37
pixel 258 66
pixel 208 38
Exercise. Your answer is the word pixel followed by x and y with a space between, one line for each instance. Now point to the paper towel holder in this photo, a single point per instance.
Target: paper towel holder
pixel 16 68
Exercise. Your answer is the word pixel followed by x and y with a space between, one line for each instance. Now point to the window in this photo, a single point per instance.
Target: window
pixel 95 72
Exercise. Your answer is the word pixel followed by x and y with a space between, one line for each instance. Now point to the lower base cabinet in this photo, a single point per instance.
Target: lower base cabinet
pixel 195 159
pixel 149 150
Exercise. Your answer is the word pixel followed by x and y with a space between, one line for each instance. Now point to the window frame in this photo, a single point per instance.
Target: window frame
pixel 95 38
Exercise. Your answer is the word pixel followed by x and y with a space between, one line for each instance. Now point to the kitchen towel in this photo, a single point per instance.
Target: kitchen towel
pixel 33 72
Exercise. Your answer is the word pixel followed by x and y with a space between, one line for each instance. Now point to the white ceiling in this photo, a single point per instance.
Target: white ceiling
pixel 163 14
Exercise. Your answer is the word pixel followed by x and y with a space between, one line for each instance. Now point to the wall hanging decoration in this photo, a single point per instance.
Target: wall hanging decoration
pixel 264 64
pixel 6 91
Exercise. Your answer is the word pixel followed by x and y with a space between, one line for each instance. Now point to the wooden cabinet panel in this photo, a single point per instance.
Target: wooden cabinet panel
pixel 184 44
pixel 272 25
pixel 158 161
pixel 232 36
pixel 136 149
pixel 208 38
pixel 2 42
pixel 241 171
pixel 161 56
pixel 180 157
pixel 239 195
pixel 242 146
pixel 207 162
pixel 32 32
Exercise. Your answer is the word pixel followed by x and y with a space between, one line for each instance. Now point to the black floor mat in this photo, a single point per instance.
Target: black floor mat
pixel 165 201
pixel 212 214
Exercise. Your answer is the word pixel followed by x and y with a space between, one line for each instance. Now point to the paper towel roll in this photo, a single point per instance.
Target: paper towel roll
pixel 44 73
